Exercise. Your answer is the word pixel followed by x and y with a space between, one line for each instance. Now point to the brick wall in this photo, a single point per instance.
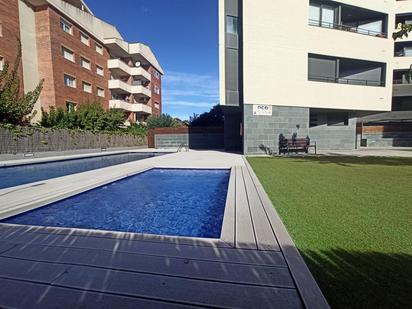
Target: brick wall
pixel 10 31
pixel 156 98
pixel 52 65
pixel 386 135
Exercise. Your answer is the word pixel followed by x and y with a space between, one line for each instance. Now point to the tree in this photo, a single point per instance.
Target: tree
pixel 162 121
pixel 213 118
pixel 15 106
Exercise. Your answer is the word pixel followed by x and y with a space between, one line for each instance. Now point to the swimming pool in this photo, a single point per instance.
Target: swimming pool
pixel 177 202
pixel 23 174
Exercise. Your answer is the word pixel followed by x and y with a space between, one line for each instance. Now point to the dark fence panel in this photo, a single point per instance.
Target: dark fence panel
pixel 194 137
pixel 41 140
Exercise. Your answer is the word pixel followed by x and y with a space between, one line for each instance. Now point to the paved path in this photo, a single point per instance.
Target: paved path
pixel 253 265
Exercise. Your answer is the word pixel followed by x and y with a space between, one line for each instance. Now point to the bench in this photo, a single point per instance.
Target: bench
pixel 295 145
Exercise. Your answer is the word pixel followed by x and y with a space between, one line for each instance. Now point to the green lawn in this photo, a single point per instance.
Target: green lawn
pixel 351 219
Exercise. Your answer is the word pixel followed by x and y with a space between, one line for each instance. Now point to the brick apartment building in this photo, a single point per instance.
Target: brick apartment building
pixel 80 57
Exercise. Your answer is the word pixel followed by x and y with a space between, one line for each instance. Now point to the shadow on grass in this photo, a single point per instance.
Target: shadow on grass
pixel 351 279
pixel 350 160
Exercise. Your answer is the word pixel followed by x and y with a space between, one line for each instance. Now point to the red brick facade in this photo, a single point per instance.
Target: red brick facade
pixel 156 100
pixel 53 66
pixel 10 33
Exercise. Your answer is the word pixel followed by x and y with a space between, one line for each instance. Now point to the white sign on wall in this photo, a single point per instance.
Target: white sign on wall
pixel 262 110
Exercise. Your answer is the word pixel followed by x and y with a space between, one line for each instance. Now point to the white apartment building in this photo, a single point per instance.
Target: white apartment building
pixel 309 67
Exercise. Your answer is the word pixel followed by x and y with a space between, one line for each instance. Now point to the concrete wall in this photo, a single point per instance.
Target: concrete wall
pixel 194 137
pixel 171 140
pixel 334 137
pixel 194 141
pixel 29 54
pixel 262 132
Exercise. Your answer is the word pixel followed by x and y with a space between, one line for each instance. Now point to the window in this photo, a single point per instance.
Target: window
pixel 156 74
pixel 99 70
pixel 157 105
pixel 66 26
pixel 69 81
pixel 338 119
pixel 87 87
pixel 1 30
pixel 100 92
pixel 67 54
pixel 84 38
pixel 1 63
pixel 85 63
pixel 71 107
pixel 99 48
pixel 313 119
pixel 156 90
pixel 232 25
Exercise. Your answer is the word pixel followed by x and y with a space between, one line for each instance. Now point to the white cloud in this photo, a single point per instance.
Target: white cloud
pixel 191 104
pixel 185 90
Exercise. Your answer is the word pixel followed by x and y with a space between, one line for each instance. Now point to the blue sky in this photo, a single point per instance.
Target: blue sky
pixel 184 36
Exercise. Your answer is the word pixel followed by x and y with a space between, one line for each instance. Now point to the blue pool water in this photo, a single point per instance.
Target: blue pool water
pixel 175 202
pixel 22 174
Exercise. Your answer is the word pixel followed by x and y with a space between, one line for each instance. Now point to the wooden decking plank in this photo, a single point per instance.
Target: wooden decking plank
pixel 265 237
pixel 178 267
pixel 228 226
pixel 21 294
pixel 245 235
pixel 158 287
pixel 67 232
pixel 310 292
pixel 147 248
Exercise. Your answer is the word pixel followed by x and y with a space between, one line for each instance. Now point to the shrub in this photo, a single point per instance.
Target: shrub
pixel 90 116
pixel 137 129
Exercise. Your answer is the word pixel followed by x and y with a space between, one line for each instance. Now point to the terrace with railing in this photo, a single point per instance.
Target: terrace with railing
pixel 334 15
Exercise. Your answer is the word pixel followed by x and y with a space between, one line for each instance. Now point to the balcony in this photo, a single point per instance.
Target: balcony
pixel 119 68
pixel 333 15
pixel 119 86
pixel 138 51
pixel 402 83
pixel 346 71
pixel 131 107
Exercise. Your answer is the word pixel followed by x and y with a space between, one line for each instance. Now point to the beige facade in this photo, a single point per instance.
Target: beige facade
pixel 277 38
pixel 310 68
pixel 403 60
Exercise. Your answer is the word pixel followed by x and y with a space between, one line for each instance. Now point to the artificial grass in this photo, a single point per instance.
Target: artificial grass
pixel 351 219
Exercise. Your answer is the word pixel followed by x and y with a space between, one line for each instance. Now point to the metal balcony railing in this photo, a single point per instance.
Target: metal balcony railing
pixel 347 81
pixel 359 30
pixel 401 82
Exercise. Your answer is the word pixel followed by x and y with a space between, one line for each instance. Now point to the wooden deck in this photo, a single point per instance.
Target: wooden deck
pixel 253 265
